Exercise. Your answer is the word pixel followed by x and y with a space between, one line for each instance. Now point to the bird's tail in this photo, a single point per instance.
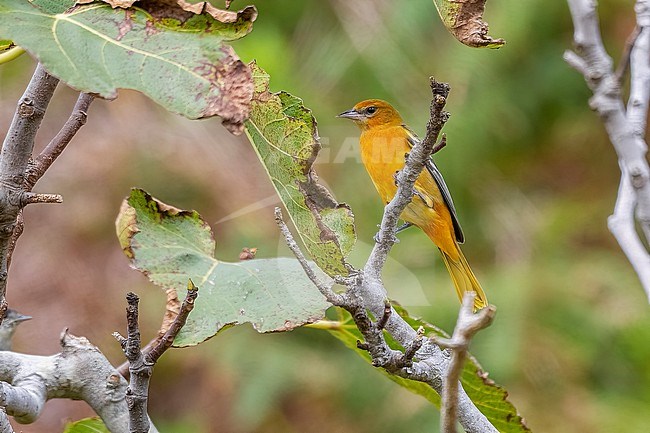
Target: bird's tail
pixel 464 279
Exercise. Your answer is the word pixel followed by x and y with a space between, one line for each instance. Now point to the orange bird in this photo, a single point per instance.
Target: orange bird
pixel 385 142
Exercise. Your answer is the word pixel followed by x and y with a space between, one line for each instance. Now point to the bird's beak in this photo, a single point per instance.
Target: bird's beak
pixel 352 115
pixel 22 318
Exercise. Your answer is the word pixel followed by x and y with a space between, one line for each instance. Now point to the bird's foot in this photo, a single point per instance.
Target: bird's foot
pixel 403 227
pixel 396 178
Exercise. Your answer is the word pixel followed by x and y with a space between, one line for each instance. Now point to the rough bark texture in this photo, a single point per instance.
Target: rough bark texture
pixel 79 372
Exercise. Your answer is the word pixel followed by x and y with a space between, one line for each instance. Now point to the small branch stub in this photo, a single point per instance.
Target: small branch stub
pixel 381 323
pixel 31 198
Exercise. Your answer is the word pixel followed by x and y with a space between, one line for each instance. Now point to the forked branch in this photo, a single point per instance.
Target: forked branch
pixel 626 126
pixel 141 362
pixel 18 174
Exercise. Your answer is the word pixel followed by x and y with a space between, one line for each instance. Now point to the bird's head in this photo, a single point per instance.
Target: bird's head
pixel 373 113
pixel 9 323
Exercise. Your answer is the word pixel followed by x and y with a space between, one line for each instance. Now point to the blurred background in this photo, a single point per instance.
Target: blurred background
pixel 532 173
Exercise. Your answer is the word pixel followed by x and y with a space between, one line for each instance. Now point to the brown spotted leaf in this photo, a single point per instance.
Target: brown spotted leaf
pixel 284 135
pixel 464 20
pixel 113 3
pixel 176 57
pixel 198 8
pixel 171 245
pixel 224 16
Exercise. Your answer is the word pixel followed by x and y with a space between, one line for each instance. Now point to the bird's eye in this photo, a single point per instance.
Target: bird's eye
pixel 371 110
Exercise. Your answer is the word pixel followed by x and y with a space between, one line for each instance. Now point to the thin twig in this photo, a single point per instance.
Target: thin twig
pixel 168 339
pixel 638 102
pixel 438 147
pixel 137 392
pixel 332 297
pixel 32 198
pixel 638 105
pixel 624 62
pixel 375 344
pixel 412 349
pixel 58 144
pixel 467 326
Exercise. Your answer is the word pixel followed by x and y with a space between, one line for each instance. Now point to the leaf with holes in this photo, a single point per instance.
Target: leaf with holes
pixel 170 245
pixel 176 57
pixel 283 133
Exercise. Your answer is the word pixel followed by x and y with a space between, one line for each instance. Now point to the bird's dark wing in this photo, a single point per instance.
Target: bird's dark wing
pixel 437 176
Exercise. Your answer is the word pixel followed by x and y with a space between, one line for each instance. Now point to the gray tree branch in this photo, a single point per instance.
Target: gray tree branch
pixel 626 128
pixel 5 425
pixel 621 224
pixel 79 372
pixel 325 289
pixel 16 150
pixel 37 168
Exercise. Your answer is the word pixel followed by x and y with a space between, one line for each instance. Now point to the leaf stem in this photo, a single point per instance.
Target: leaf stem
pixel 327 325
pixel 11 54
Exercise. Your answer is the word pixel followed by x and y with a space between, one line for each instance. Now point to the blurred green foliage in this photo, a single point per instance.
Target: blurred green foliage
pixel 533 177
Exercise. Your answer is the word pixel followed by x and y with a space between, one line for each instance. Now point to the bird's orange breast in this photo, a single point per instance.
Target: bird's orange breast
pixel 383 152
